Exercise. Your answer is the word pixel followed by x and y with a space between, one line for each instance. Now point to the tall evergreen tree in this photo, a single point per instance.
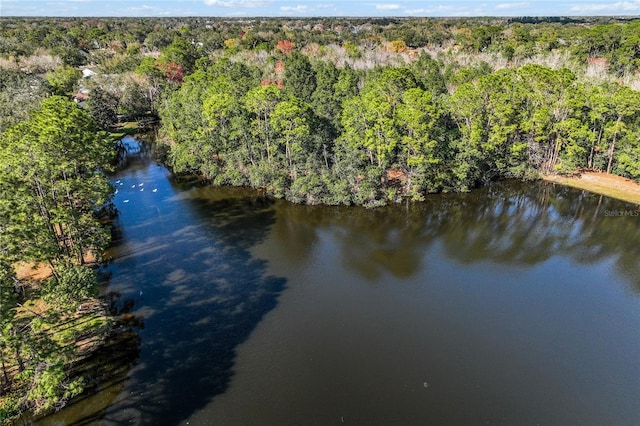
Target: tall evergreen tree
pixel 299 76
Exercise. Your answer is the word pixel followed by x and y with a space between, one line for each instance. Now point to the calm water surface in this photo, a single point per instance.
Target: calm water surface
pixel 514 304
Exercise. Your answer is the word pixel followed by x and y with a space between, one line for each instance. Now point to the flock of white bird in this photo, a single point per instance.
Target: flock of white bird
pixel 140 185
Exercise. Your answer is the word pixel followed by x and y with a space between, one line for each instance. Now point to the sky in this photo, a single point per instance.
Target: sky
pixel 309 8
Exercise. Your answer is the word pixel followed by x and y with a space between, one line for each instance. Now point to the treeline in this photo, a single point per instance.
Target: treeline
pixel 340 110
pixel 133 61
pixel 317 133
pixel 116 43
pixel 52 191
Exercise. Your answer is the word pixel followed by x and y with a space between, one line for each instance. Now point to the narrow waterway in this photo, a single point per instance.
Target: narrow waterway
pixel 514 304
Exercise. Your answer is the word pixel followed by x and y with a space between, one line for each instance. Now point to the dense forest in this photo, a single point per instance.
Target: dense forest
pixel 334 135
pixel 318 110
pixel 349 111
pixel 52 192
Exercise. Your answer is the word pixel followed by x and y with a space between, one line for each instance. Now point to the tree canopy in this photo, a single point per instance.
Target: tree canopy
pixel 396 132
pixel 52 187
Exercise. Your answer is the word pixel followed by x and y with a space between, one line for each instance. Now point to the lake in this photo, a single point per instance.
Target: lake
pixel 518 303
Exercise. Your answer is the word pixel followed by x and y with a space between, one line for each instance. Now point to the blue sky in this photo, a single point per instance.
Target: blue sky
pixel 239 8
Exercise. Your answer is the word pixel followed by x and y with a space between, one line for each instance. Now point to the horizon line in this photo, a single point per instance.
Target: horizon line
pixel 322 16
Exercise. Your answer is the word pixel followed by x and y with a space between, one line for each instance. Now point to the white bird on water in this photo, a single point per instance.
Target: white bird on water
pixel 141 189
pixel 125 201
pixel 118 181
pixel 155 190
pixel 133 186
pixel 141 184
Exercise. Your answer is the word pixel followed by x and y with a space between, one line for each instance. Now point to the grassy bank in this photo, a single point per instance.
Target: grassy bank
pixel 602 183
pixel 45 370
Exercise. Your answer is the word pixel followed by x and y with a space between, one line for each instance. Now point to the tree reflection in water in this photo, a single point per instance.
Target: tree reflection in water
pixel 510 222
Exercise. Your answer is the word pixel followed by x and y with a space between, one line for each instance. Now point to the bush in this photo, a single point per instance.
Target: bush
pixel 338 191
pixel 73 284
pixel 307 189
pixel 9 408
pixel 368 192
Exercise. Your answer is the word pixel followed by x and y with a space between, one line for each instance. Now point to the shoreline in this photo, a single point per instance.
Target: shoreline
pixel 84 331
pixel 601 183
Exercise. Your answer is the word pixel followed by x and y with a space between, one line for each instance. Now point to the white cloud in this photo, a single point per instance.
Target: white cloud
pixel 387 6
pixel 440 10
pixel 235 3
pixel 618 7
pixel 294 9
pixel 306 10
pixel 142 8
pixel 509 6
pixel 146 10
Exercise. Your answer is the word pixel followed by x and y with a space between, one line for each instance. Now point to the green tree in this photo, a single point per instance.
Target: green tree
pixel 324 100
pixel 8 305
pixel 182 124
pixel 20 94
pixel 53 181
pixel 181 52
pixel 369 120
pixel 136 99
pixel 299 76
pixel 226 127
pixel 549 102
pixel 73 284
pixel 347 85
pixel 51 186
pixel 420 156
pixel 599 112
pixel 626 104
pixel 628 157
pixel 429 73
pixel 103 107
pixel 260 102
pixel 152 79
pixel 63 80
pixel 193 117
pixel 290 121
pixel 70 55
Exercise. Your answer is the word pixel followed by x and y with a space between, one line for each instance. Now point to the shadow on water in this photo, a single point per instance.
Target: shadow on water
pixel 212 295
pixel 511 222
pixel 206 321
pixel 184 266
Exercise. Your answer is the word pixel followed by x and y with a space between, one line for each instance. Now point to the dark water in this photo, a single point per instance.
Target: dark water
pixel 514 304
